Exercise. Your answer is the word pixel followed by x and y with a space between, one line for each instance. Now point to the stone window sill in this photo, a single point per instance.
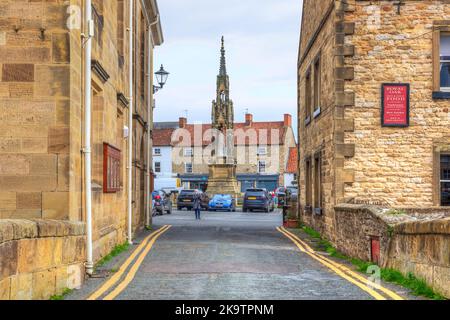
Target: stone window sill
pixel 441 95
pixel 307 121
pixel 317 112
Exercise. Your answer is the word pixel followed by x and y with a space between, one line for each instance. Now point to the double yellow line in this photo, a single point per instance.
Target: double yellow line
pixel 341 270
pixel 142 250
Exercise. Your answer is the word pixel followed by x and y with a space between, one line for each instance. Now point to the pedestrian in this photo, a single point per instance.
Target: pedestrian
pixel 197 205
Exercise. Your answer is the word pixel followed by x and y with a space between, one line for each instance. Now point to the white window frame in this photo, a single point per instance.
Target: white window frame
pixel 263 152
pixel 186 165
pixel 188 152
pixel 262 164
pixel 441 61
pixel 157 153
pixel 156 171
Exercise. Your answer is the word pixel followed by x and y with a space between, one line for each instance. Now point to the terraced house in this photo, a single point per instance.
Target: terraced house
pixel 63 110
pixel 374 121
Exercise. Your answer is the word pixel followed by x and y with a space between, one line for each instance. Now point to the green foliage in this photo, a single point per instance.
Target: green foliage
pixel 114 253
pixel 395 212
pixel 417 286
pixel 61 296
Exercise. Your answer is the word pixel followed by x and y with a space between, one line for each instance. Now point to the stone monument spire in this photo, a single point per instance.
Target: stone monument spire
pixel 222 107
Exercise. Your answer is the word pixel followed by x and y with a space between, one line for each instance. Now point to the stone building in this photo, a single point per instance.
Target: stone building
pixel 374 121
pixel 42 112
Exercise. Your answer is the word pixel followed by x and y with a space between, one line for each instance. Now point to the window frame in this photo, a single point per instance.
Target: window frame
pixel 158 154
pixel 442 181
pixel 264 153
pixel 308 97
pixel 439 27
pixel 443 89
pixel 308 184
pixel 317 187
pixel 186 168
pixel 317 85
pixel 262 164
pixel 157 165
pixel 190 153
pixel 111 168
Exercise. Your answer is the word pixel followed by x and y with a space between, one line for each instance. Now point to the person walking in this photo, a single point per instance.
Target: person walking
pixel 197 205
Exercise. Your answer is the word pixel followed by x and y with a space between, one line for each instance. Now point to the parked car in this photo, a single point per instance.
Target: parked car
pixel 186 199
pixel 161 202
pixel 258 199
pixel 222 202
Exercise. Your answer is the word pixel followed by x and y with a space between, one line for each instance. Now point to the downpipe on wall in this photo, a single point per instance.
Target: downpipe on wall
pixel 130 126
pixel 87 134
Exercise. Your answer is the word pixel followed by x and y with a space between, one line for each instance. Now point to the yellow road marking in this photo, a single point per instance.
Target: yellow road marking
pixel 116 277
pixel 363 287
pixel 390 293
pixel 130 276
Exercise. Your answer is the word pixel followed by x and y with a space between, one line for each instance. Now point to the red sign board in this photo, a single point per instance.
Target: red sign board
pixel 395 105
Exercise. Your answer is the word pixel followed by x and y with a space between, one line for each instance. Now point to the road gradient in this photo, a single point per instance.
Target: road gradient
pixel 130 275
pixel 341 270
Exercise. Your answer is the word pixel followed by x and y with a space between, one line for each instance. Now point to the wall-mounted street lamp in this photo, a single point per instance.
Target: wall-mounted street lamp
pixel 161 77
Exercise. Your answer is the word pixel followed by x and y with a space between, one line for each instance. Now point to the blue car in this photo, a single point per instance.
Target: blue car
pixel 222 202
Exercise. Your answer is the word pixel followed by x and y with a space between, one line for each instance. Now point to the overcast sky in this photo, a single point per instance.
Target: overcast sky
pixel 261 40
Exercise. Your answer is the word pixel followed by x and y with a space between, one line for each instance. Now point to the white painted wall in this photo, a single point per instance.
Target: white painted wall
pixel 288 178
pixel 166 178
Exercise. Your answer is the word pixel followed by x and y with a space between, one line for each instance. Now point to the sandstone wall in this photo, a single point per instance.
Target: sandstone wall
pixel 40 258
pixel 318 136
pixel 420 247
pixel 394 166
pixel 35 94
pixel 423 248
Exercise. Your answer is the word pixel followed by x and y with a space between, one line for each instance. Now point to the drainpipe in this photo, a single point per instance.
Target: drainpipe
pixel 150 119
pixel 87 133
pixel 148 221
pixel 130 125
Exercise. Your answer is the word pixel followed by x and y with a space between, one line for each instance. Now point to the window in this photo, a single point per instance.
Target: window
pixel 111 169
pixel 158 167
pixel 445 180
pixel 188 168
pixel 317 86
pixel 444 53
pixel 317 182
pixel 121 32
pixel 262 151
pixel 188 152
pixel 308 98
pixel 308 181
pixel 261 166
pixel 157 151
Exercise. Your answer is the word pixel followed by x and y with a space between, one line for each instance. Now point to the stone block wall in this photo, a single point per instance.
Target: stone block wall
pixel 415 242
pixel 35 93
pixel 40 258
pixel 394 166
pixel 423 248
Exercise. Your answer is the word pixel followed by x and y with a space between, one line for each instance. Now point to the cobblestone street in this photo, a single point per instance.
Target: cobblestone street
pixel 227 256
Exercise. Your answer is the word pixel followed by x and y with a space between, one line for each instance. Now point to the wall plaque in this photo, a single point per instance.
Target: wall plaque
pixel 395 105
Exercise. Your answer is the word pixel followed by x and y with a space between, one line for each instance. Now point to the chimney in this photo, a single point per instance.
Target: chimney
pixel 182 123
pixel 248 119
pixel 287 120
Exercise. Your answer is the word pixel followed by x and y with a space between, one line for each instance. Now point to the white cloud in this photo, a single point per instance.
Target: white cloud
pixel 261 41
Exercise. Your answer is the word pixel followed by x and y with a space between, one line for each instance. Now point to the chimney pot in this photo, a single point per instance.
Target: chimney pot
pixel 287 120
pixel 248 119
pixel 182 123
